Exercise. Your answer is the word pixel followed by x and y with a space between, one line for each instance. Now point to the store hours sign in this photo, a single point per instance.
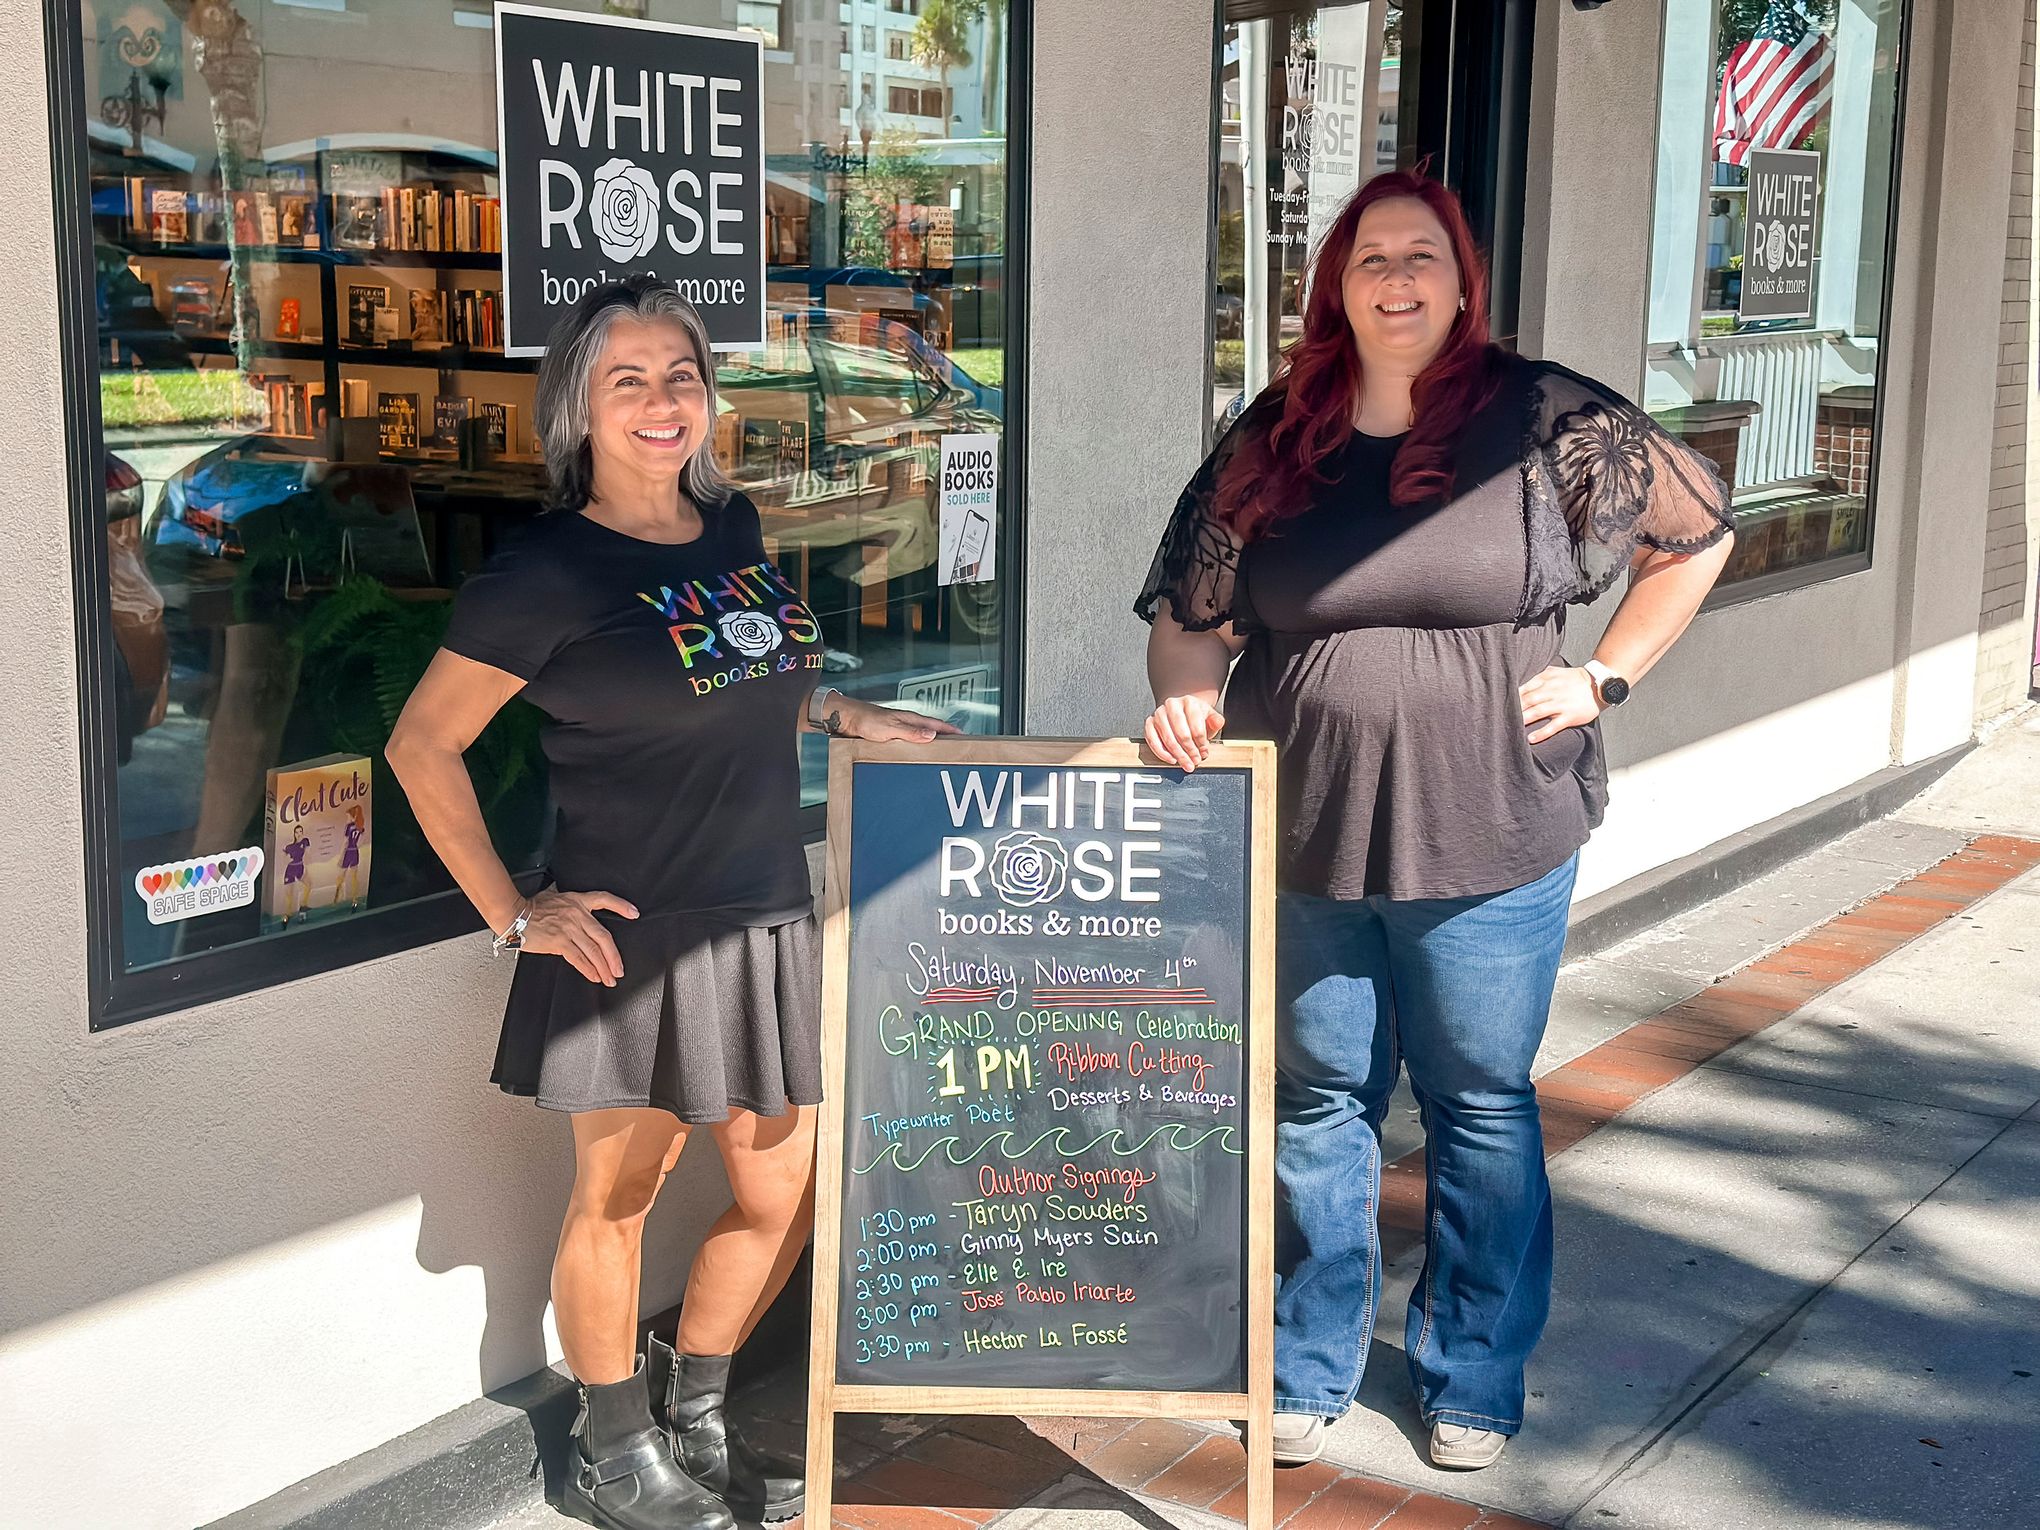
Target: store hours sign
pixel 629 146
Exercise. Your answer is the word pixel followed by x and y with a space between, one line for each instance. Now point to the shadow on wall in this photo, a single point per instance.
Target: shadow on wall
pixel 174 1145
pixel 514 1252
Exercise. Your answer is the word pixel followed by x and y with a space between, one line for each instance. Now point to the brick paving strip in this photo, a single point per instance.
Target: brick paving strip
pixel 940 1473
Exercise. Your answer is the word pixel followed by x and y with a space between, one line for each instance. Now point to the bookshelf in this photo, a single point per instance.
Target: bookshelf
pixel 323 244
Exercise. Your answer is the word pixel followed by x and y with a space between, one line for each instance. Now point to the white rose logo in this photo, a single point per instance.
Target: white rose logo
pixel 752 633
pixel 623 210
pixel 1028 868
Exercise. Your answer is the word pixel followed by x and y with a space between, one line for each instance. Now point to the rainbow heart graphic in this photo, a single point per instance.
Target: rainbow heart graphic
pixel 233 874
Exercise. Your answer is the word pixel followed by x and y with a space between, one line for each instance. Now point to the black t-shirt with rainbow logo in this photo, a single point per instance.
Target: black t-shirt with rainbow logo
pixel 673 677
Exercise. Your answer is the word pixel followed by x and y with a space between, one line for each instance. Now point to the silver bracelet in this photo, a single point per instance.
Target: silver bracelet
pixel 830 723
pixel 512 939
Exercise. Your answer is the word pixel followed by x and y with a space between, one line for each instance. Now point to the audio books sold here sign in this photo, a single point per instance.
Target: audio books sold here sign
pixel 629 146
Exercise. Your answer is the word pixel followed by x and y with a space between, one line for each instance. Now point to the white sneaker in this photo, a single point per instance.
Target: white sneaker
pixel 1299 1438
pixel 1458 1448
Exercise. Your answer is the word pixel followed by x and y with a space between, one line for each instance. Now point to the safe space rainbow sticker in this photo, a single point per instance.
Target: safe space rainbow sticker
pixel 185 889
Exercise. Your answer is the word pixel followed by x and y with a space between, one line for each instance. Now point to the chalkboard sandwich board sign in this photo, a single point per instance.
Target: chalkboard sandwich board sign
pixel 1045 1182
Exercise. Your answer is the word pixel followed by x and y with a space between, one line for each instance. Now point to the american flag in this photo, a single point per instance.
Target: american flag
pixel 1775 88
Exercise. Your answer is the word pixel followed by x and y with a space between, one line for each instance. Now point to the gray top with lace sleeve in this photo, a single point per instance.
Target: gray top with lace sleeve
pixel 1385 643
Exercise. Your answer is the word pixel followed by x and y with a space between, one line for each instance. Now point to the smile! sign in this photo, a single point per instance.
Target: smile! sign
pixel 625 147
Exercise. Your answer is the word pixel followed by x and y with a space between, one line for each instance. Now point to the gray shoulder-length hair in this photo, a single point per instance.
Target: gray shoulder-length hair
pixel 568 370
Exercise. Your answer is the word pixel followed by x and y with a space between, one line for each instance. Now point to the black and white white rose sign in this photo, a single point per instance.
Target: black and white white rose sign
pixel 629 146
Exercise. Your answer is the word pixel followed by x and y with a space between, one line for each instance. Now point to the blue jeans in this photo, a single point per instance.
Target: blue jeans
pixel 1456 990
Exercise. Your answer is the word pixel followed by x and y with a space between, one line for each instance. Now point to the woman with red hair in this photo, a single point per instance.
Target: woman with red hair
pixel 1373 566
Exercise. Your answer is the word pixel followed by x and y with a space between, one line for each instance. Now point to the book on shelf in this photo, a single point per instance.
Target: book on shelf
pixel 354 400
pixel 777 447
pixel 438 220
pixel 792 448
pixel 499 428
pixel 292 216
pixel 193 306
pixel 317 818
pixel 727 439
pixel 363 304
pixel 247 225
pixel 385 326
pixel 428 317
pixel 474 318
pixel 265 215
pixel 786 341
pixel 450 414
pixel 398 413
pixel 296 409
pixel 357 222
pixel 169 221
pixel 288 317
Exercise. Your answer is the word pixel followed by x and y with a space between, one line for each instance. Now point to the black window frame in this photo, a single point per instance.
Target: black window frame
pixel 118 997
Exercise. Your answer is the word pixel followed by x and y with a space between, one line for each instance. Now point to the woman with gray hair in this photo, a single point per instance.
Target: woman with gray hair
pixel 669 977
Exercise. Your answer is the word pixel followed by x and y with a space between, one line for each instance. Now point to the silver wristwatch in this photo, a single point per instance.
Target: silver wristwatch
pixel 1610 689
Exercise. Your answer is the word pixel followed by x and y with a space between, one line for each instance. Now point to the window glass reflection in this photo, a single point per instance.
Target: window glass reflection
pixel 313 434
pixel 1309 109
pixel 1776 159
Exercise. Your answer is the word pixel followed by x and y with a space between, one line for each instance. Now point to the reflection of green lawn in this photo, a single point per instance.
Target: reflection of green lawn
pixel 1229 362
pixel 988 365
pixel 174 398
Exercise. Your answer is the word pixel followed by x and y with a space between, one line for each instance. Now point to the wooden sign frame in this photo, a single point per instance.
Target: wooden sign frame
pixel 826 1396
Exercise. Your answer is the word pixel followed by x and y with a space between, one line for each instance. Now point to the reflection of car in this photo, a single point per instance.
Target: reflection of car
pixel 836 435
pixel 1229 314
pixel 141 648
pixel 315 519
pixel 889 289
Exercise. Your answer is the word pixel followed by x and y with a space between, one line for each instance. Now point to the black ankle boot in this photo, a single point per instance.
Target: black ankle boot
pixel 754 1485
pixel 621 1474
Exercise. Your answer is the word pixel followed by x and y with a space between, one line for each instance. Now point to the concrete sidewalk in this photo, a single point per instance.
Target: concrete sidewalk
pixel 1795 1143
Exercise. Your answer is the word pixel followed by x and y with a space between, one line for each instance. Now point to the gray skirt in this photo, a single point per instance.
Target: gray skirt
pixel 709 1018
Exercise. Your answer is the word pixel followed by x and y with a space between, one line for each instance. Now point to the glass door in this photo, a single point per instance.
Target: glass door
pixel 1316 99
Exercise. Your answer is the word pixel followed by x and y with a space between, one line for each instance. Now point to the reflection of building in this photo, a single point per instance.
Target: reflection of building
pixel 938 97
pixel 198 1240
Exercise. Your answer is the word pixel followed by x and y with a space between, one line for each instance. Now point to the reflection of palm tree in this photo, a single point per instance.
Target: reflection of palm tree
pixel 942 40
pixel 992 117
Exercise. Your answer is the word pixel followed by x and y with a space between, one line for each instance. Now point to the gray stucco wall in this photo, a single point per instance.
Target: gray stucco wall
pixel 1961 143
pixel 282 1230
pixel 267 1234
pixel 1799 694
pixel 1119 289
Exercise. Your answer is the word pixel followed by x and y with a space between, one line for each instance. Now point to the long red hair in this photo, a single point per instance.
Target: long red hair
pixel 1270 476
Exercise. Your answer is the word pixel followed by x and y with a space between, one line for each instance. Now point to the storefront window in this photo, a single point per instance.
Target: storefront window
pixel 1308 111
pixel 312 432
pixel 1777 156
